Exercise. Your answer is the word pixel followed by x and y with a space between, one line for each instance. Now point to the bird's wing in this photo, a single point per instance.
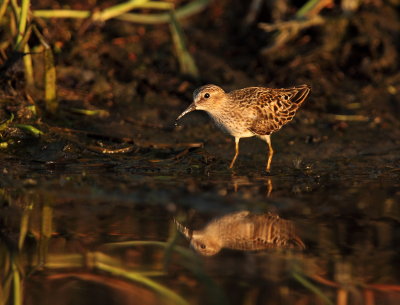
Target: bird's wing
pixel 231 217
pixel 276 107
pixel 258 232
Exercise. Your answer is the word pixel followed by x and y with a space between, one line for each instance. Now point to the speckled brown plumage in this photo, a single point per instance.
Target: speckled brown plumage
pixel 253 111
pixel 243 231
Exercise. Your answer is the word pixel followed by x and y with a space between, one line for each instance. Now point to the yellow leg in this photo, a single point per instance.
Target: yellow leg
pixel 270 187
pixel 270 152
pixel 236 152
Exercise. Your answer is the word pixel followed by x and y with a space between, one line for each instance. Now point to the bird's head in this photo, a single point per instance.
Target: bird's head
pixel 204 244
pixel 206 98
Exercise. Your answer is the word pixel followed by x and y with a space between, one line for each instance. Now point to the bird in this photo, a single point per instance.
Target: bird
pixel 248 112
pixel 243 231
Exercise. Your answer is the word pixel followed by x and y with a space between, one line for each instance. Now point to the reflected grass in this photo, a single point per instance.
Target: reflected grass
pixel 13 273
pixel 313 288
pixel 17 285
pixel 110 265
pixel 191 262
pixel 11 280
pixel 98 261
pixel 24 227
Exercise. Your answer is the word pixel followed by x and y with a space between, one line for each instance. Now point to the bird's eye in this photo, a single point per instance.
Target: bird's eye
pixel 207 95
pixel 203 246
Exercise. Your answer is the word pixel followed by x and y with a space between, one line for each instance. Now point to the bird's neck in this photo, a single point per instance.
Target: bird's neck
pixel 218 110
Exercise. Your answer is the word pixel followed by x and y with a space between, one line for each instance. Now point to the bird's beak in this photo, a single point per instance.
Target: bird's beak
pixel 191 108
pixel 184 230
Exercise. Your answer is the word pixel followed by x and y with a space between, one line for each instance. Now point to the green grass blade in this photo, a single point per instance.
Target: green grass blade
pixel 7 122
pixel 50 79
pixel 107 13
pixel 61 14
pixel 184 11
pixel 23 18
pixel 186 61
pixel 309 5
pixel 24 37
pixel 91 112
pixel 118 9
pixel 119 12
pixel 33 130
pixel 3 8
pixel 28 67
pixel 145 18
pixel 16 10
pixel 159 5
pixel 21 45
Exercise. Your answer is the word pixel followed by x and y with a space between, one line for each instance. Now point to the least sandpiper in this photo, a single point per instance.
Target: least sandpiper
pixel 243 231
pixel 248 112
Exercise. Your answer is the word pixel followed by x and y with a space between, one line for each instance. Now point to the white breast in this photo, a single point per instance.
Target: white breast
pixel 230 126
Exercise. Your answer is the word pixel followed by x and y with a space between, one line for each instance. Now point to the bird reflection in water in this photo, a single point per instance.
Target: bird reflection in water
pixel 243 231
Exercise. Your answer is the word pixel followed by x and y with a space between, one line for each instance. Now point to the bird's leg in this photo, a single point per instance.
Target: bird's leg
pixel 270 187
pixel 270 152
pixel 236 152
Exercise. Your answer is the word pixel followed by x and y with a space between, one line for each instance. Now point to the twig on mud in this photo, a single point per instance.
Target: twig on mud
pixel 110 151
pixel 67 134
pixel 181 154
pixel 292 25
pixel 64 130
pixel 170 145
pixel 288 30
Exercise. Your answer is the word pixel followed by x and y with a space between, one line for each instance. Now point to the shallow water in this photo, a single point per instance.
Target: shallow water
pixel 102 231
